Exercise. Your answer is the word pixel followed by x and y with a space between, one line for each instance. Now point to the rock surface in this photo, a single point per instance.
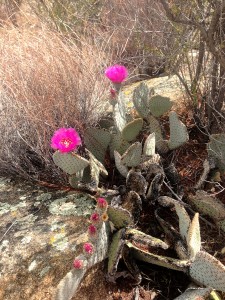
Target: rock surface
pixel 166 86
pixel 40 231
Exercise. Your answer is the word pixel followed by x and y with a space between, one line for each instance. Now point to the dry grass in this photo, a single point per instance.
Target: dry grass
pixel 46 82
pixel 52 59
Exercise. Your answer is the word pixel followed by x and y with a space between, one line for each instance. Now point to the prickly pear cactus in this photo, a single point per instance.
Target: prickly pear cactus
pixel 155 127
pixel 132 157
pixel 133 142
pixel 207 270
pixel 178 132
pixel 96 168
pixel 118 143
pixel 119 217
pixel 141 99
pixel 132 129
pixel 97 141
pixel 209 205
pixel 159 105
pixel 119 165
pixel 194 237
pixel 159 260
pixel 195 293
pixel 70 163
pixel 115 251
pixel 149 146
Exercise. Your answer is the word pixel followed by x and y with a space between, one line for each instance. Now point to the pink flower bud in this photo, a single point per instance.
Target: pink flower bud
pixel 102 203
pixel 88 248
pixel 95 217
pixel 92 230
pixel 116 73
pixel 78 264
pixel 113 93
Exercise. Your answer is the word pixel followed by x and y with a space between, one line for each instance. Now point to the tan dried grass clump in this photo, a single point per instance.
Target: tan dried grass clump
pixel 46 82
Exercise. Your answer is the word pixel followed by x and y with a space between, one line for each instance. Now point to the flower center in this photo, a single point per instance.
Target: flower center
pixel 66 142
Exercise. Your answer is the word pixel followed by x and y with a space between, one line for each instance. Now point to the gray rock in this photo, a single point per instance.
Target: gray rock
pixel 38 242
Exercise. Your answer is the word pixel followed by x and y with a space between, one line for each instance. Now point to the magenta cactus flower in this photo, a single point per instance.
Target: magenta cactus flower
pixel 116 73
pixel 102 203
pixel 88 248
pixel 65 140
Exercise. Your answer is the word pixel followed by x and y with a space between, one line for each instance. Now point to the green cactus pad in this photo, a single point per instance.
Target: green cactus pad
pixel 161 144
pixel 120 112
pixel 195 294
pixel 178 132
pixel 119 217
pixel 73 180
pixel 70 163
pixel 118 143
pixel 194 237
pixel 84 176
pixel 164 261
pixel 96 168
pixel 106 123
pixel 155 127
pixel 134 235
pixel 149 145
pixel 132 129
pixel 216 149
pixel 208 205
pixel 119 165
pixel 97 141
pixel 184 219
pixel 120 121
pixel 207 270
pixel 132 157
pixel 159 105
pixel 140 100
pixel 115 251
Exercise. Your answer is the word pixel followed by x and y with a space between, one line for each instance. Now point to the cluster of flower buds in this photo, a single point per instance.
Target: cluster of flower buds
pixel 97 218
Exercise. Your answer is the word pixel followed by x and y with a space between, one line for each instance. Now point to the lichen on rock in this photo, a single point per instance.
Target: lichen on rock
pixel 76 204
